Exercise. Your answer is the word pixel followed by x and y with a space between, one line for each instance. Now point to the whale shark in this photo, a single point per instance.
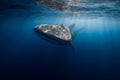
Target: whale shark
pixel 56 33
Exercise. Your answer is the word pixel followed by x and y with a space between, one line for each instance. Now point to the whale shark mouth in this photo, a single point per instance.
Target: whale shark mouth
pixel 107 7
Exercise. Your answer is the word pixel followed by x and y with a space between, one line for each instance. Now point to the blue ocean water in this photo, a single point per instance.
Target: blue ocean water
pixel 24 55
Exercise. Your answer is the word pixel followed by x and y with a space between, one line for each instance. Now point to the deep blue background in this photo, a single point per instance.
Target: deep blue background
pixel 24 55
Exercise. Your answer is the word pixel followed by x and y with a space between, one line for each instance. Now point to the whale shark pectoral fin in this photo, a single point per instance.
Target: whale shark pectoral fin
pixel 72 47
pixel 71 27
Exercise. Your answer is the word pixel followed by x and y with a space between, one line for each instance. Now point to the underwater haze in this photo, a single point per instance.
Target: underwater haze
pixel 26 56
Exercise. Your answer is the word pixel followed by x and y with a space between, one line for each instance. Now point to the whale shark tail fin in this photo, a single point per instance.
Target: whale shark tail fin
pixel 71 26
pixel 76 32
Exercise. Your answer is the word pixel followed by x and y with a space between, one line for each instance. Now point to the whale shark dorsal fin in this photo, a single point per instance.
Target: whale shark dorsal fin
pixel 62 25
pixel 71 26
